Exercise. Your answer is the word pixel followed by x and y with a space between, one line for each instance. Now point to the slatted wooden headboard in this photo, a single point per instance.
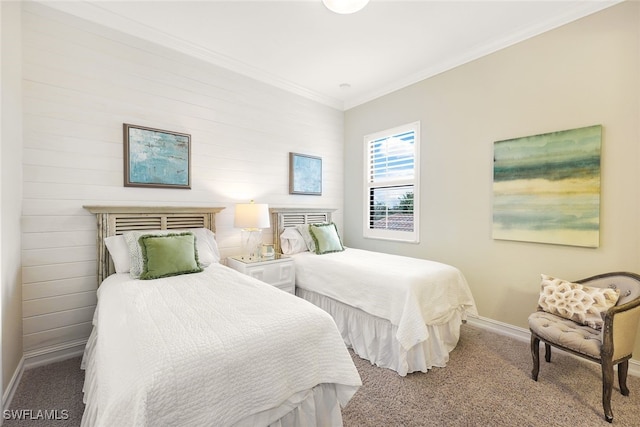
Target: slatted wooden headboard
pixel 282 218
pixel 115 220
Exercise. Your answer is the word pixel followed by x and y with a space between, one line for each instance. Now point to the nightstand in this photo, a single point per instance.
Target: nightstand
pixel 277 271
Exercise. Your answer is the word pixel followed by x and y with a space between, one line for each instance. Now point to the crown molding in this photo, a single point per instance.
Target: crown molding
pixel 580 10
pixel 93 12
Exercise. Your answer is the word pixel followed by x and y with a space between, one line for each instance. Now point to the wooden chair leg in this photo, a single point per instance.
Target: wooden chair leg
pixel 623 369
pixel 535 354
pixel 547 352
pixel 607 387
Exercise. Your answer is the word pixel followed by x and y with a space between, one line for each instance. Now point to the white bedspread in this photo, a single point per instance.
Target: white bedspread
pixel 210 348
pixel 409 292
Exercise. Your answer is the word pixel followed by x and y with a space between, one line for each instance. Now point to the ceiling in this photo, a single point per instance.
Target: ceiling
pixel 339 60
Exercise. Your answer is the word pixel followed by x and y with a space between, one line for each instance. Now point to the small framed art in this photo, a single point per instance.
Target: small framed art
pixel 305 174
pixel 156 158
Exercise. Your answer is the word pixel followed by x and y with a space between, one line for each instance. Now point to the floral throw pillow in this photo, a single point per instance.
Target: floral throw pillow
pixel 580 303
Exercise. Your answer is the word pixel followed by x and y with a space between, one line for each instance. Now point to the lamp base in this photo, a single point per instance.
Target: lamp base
pixel 251 242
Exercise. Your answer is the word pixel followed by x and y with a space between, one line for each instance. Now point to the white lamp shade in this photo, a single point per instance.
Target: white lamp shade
pixel 345 6
pixel 252 215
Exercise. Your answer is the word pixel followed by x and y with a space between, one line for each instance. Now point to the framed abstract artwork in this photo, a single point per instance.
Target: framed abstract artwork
pixel 156 158
pixel 305 174
pixel 546 188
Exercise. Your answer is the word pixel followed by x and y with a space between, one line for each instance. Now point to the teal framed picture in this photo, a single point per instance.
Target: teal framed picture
pixel 305 174
pixel 546 188
pixel 156 158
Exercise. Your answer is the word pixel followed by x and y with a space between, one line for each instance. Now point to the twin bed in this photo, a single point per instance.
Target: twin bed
pixel 397 312
pixel 202 344
pixel 213 347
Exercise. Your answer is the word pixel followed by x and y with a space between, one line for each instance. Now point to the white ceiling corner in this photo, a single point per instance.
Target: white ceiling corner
pixel 301 47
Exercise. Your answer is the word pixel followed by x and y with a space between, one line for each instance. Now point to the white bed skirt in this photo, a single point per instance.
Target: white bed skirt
pixel 310 408
pixel 374 338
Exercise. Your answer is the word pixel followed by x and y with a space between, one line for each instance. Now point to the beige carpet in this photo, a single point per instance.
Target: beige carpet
pixel 487 383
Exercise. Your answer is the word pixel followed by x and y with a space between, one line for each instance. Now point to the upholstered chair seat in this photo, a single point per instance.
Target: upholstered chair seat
pixel 607 340
pixel 566 333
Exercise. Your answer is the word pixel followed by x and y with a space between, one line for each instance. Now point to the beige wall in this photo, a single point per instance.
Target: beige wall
pixel 10 194
pixel 584 73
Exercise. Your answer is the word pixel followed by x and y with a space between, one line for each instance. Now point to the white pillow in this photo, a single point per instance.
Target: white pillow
pixel 119 251
pixel 208 252
pixel 291 242
pixel 306 235
pixel 206 245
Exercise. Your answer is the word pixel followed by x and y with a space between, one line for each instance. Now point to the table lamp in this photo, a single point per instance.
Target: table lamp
pixel 252 218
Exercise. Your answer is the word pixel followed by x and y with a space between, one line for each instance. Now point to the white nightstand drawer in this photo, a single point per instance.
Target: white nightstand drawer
pixel 278 271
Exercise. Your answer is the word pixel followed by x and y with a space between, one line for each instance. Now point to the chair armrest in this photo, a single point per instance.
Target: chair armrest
pixel 619 329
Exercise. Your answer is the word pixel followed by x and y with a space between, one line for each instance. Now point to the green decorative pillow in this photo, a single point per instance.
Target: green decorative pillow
pixel 326 238
pixel 168 255
pixel 206 247
pixel 580 303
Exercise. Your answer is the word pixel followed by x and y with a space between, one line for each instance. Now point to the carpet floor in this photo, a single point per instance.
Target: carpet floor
pixel 486 383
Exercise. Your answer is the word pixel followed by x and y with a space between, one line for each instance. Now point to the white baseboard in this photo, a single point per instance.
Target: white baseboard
pixel 13 385
pixel 41 357
pixel 55 353
pixel 523 334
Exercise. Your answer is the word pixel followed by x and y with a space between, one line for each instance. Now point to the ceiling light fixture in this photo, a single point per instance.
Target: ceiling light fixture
pixel 345 6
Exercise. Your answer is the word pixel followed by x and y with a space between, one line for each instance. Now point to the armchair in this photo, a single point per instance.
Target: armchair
pixel 611 345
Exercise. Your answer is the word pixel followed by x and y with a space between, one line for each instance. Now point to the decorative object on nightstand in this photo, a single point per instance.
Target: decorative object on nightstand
pixel 252 218
pixel 277 271
pixel 268 251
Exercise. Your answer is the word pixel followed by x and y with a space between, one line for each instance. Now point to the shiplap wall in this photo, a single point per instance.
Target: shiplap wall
pixel 81 83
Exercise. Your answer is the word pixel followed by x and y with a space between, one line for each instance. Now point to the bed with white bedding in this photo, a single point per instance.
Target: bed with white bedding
pixel 398 312
pixel 212 347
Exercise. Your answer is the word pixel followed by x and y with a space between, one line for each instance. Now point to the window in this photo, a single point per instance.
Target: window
pixel 391 183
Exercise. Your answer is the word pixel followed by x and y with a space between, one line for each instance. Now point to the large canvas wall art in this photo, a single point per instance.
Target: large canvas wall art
pixel 546 188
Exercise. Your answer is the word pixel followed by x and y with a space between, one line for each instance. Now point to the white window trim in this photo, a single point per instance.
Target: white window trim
pixel 401 236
